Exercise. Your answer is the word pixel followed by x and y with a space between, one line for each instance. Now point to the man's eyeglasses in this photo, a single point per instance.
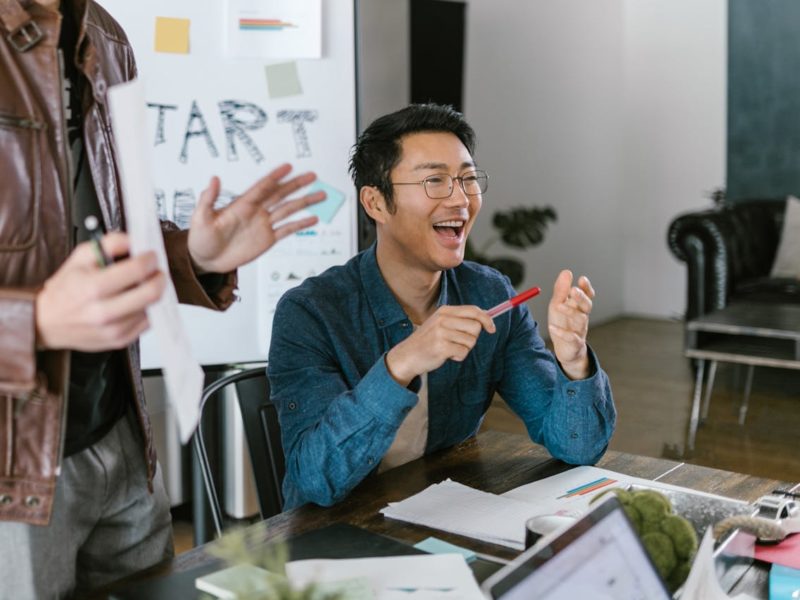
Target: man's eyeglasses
pixel 441 185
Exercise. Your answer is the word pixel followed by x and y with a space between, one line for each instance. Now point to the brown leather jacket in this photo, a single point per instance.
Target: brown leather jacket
pixel 35 234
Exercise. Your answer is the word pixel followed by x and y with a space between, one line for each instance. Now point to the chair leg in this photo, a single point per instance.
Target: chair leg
pixel 748 387
pixel 695 416
pixel 712 373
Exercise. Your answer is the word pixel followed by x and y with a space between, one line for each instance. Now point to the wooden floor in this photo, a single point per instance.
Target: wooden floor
pixel 653 384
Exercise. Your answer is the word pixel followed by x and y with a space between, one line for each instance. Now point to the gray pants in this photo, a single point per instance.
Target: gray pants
pixel 105 524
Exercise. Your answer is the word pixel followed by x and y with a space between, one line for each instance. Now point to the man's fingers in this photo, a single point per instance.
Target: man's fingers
pixel 132 301
pixel 586 286
pixel 125 274
pixel 293 226
pixel 562 286
pixel 472 313
pixel 286 209
pixel 204 211
pixel 114 244
pixel 580 300
pixel 270 190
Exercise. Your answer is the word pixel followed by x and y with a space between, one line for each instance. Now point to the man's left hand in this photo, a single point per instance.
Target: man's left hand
pixel 568 323
pixel 223 240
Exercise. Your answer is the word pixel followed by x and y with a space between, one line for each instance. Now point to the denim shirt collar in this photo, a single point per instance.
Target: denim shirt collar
pixel 384 305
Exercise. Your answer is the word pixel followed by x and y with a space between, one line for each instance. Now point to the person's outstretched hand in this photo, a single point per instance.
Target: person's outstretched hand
pixel 568 323
pixel 225 239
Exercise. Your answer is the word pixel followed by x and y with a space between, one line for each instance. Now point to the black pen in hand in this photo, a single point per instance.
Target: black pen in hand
pixel 93 227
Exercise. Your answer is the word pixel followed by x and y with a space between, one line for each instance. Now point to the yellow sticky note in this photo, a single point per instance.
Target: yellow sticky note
pixel 172 35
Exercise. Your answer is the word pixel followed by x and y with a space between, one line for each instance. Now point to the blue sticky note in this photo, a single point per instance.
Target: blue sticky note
pixel 784 583
pixel 328 208
pixel 434 545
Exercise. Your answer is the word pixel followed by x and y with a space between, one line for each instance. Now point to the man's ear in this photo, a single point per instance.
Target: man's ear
pixel 374 203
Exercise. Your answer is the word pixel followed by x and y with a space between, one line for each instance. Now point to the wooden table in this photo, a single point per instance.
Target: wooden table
pixel 495 462
pixel 748 333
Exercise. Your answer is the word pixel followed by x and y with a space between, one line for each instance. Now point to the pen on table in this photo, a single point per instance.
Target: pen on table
pixel 516 300
pixel 93 227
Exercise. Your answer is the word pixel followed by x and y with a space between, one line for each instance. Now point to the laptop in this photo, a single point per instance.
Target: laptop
pixel 599 557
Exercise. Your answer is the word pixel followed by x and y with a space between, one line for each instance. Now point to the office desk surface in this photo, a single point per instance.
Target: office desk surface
pixel 495 462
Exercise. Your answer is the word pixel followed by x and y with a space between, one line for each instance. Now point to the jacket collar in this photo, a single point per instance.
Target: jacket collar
pixel 384 305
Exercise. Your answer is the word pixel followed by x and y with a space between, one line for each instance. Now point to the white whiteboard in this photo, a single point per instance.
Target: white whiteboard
pixel 191 99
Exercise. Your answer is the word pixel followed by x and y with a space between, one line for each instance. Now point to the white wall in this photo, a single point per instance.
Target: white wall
pixel 544 93
pixel 614 113
pixel 675 137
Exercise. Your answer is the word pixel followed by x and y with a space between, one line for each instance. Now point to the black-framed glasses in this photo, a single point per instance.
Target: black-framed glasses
pixel 441 185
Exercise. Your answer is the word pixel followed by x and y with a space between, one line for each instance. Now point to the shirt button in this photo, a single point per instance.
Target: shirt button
pixel 571 393
pixel 370 460
pixel 292 405
pixel 573 435
pixel 406 409
pixel 404 324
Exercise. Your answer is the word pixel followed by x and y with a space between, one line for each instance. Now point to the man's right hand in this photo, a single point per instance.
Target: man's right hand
pixel 89 308
pixel 449 333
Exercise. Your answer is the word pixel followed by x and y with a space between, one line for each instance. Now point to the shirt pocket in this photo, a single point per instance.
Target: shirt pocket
pixel 20 172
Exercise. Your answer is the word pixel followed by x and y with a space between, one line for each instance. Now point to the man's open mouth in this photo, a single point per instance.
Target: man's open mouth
pixel 449 229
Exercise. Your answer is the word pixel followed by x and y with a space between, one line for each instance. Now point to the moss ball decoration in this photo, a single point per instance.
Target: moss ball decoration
pixel 669 539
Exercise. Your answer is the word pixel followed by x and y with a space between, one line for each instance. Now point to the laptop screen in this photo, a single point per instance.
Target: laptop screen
pixel 600 557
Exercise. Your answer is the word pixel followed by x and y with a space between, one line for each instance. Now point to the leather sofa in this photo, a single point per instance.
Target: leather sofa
pixel 729 253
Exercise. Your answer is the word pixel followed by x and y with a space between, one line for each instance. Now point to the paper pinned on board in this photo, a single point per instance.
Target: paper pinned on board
pixel 273 28
pixel 182 374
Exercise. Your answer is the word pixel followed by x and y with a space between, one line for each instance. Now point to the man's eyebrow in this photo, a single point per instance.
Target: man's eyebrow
pixel 441 166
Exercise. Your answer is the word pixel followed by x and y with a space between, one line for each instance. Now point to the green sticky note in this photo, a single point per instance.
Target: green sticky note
pixel 283 80
pixel 328 208
pixel 434 545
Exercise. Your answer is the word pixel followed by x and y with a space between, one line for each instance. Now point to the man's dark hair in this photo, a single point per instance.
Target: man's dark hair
pixel 378 149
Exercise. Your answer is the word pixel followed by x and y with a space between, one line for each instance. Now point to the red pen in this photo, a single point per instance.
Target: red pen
pixel 509 304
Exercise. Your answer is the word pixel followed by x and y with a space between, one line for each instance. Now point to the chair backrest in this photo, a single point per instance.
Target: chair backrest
pixel 262 432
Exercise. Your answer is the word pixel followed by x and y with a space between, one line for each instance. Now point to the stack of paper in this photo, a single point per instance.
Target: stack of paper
pixel 463 510
pixel 425 577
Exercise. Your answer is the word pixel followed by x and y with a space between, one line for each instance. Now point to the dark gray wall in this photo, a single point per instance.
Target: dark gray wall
pixel 763 99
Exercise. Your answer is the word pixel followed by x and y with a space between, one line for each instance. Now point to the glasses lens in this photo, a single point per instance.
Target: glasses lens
pixel 439 186
pixel 475 183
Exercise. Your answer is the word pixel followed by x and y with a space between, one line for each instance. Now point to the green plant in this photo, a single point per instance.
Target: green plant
pixel 518 228
pixel 669 539
pixel 245 545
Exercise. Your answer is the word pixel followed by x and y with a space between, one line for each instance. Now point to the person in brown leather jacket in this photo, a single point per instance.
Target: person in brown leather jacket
pixel 81 498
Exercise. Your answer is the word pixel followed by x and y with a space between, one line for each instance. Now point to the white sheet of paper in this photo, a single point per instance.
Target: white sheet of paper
pixel 460 509
pixel 549 494
pixel 273 28
pixel 702 582
pixel 182 374
pixel 424 577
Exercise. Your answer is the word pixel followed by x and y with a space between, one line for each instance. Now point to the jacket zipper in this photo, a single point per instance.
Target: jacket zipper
pixel 17 122
pixel 67 166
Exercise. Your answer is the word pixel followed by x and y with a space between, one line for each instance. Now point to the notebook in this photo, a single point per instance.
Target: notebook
pixel 599 557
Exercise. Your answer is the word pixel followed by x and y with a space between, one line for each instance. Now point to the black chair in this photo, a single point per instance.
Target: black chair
pixel 262 432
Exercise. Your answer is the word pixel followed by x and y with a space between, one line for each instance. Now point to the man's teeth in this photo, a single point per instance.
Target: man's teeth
pixel 449 224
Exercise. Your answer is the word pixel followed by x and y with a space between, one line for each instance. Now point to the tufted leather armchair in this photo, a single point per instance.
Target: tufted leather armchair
pixel 729 252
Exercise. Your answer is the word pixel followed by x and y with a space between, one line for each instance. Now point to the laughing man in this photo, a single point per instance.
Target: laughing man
pixel 393 356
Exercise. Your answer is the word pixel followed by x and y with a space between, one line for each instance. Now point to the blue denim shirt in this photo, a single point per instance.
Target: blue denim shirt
pixel 340 409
